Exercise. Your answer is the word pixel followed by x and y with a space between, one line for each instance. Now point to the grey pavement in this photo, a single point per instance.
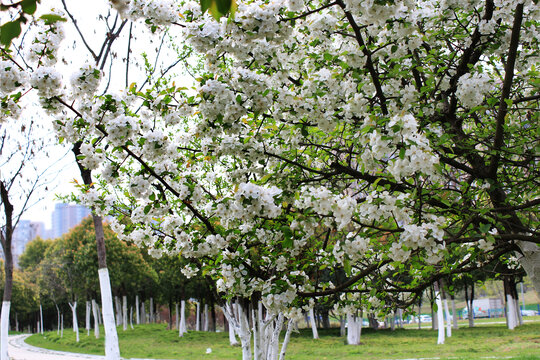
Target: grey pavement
pixel 19 350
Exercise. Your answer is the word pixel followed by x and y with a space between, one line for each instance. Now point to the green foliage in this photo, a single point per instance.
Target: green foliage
pixel 34 253
pixel 219 8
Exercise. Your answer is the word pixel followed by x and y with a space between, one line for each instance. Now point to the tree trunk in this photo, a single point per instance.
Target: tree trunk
pixel 448 318
pixel 62 326
pixel 118 311
pixel 342 328
pixel 131 317
pixel 41 318
pixel 58 320
pixel 530 261
pixel 143 313
pixel 88 307
pixel 440 316
pixel 95 311
pixel 4 325
pixel 198 321
pixel 124 312
pixel 354 329
pixel 6 237
pixel 137 313
pixel 454 313
pixel 312 323
pixel 112 350
pixel 73 307
pixel 469 302
pixel 151 311
pixel 182 329
pixel 206 320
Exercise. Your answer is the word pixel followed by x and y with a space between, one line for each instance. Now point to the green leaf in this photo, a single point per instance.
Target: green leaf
pixel 484 228
pixel 347 267
pixel 51 18
pixel 402 153
pixel 9 31
pixel 29 6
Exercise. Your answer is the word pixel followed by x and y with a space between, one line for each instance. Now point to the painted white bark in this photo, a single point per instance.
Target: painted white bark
pixel 245 334
pixel 440 317
pixel 511 312
pixel 151 310
pixel 313 324
pixel 232 335
pixel 448 319
pixel 112 350
pixel 354 329
pixel 58 320
pixel 124 312
pixel 264 334
pixel 530 260
pixel 177 320
pixel 4 330
pixel 286 340
pixel 118 311
pixel 131 317
pixel 236 317
pixel 454 315
pixel 182 328
pixel 88 307
pixel 342 328
pixel 62 326
pixel 95 312
pixel 41 318
pixel 206 318
pixel 400 318
pixel 137 313
pixel 518 312
pixel 470 313
pixel 198 322
pixel 73 307
pixel 143 313
pixel 418 318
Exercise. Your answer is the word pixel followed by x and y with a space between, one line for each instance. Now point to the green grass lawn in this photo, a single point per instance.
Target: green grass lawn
pixel 154 341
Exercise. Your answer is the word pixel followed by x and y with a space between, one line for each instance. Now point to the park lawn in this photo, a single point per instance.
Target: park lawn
pixel 154 341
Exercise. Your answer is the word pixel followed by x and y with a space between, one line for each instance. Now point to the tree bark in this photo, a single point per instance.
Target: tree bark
pixel 440 316
pixel 312 323
pixel 530 261
pixel 137 310
pixel 73 307
pixel 198 321
pixel 88 309
pixel 95 311
pixel 124 312
pixel 6 237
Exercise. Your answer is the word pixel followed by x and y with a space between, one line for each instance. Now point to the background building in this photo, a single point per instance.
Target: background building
pixel 66 216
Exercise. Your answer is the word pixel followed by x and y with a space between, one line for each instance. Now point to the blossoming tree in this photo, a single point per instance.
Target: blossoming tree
pixel 361 148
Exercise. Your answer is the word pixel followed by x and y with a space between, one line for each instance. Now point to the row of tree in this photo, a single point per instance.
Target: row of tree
pixel 358 152
pixel 57 274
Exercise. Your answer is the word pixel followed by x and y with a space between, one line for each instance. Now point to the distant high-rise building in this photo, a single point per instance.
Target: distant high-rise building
pixel 25 232
pixel 66 216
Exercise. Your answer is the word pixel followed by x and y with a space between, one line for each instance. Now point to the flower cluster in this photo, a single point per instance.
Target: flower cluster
pixel 47 81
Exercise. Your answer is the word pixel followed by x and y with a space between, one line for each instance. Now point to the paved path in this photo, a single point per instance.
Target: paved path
pixel 19 350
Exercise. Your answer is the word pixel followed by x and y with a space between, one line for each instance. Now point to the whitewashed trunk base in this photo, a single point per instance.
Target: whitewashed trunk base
pixel 112 350
pixel 4 330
